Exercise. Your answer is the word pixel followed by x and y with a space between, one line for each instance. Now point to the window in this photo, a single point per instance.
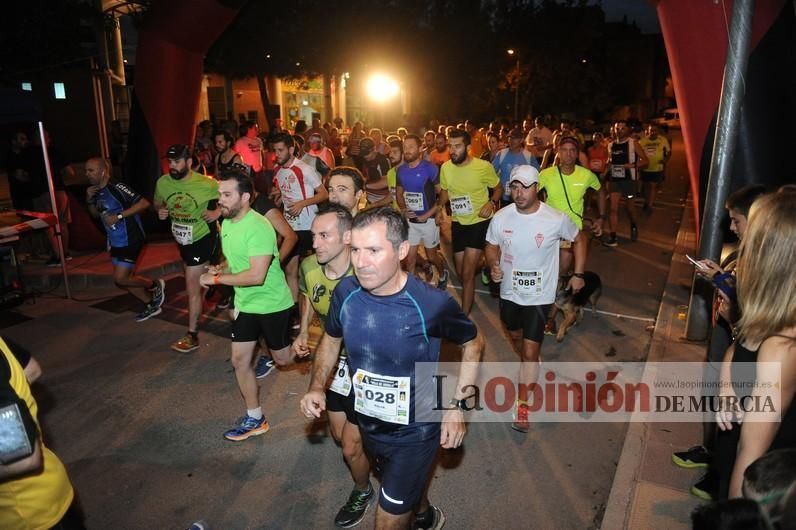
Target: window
pixel 27 87
pixel 60 90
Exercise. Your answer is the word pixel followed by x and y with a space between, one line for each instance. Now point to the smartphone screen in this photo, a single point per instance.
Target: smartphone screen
pixel 695 262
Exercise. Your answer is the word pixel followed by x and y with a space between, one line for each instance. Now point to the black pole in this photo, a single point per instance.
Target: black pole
pixel 732 94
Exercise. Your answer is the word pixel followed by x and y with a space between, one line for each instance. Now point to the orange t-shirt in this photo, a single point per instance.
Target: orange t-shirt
pixel 439 158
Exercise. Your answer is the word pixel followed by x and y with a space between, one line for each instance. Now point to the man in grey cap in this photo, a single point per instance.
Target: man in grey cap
pixel 510 157
pixel 522 255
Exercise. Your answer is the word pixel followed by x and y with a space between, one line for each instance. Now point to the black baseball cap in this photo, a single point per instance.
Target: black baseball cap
pixel 366 146
pixel 178 151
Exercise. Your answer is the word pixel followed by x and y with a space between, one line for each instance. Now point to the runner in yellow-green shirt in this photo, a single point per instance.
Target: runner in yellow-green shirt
pixel 318 276
pixel 658 151
pixel 465 183
pixel 189 200
pixel 263 301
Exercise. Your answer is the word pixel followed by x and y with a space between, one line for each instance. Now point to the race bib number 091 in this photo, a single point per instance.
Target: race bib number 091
pixel 382 397
pixel 461 205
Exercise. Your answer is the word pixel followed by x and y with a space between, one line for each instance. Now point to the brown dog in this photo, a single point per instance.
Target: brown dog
pixel 572 305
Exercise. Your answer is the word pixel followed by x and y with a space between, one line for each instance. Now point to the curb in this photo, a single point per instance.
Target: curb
pixel 619 506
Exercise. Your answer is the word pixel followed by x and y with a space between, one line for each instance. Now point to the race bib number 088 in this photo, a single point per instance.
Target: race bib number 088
pixel 526 283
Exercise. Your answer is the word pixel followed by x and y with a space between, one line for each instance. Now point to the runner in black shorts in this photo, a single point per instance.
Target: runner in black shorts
pixel 318 277
pixel 522 253
pixel 378 314
pixel 468 236
pixel 465 183
pixel 205 250
pixel 528 318
pixel 188 200
pixel 118 207
pixel 262 297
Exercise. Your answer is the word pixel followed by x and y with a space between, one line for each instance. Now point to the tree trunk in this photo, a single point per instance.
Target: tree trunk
pixel 265 126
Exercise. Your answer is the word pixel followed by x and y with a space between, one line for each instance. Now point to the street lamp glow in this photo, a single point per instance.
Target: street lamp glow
pixel 382 88
pixel 510 51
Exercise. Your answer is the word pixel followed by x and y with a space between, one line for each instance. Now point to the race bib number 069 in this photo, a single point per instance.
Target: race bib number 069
pixel 382 397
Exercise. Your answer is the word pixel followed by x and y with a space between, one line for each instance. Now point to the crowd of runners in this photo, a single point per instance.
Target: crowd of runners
pixel 286 227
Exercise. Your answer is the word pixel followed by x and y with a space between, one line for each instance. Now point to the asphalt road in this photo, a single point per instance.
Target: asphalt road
pixel 139 426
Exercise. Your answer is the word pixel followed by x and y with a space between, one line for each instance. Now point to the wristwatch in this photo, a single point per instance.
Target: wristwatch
pixel 119 216
pixel 460 404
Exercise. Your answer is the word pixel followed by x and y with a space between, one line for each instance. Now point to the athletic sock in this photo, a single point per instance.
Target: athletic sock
pixel 255 413
pixel 194 334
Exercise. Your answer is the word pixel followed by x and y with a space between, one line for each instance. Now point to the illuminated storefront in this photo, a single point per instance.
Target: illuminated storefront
pixel 302 99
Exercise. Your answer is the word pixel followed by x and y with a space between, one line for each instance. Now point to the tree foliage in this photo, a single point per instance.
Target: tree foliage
pixel 451 52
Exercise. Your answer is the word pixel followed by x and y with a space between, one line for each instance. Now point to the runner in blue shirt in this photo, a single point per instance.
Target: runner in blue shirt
pixel 118 207
pixel 389 321
pixel 417 189
pixel 510 157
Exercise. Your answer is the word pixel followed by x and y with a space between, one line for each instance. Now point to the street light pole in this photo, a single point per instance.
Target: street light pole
pixel 517 94
pixel 512 52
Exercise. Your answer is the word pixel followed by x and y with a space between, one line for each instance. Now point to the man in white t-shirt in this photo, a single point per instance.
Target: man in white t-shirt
pixel 522 247
pixel 299 189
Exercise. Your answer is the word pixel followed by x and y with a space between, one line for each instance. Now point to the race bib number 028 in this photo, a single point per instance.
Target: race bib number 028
pixel 383 397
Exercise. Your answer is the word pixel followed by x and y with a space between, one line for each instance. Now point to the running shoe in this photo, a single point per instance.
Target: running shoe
pixel 159 293
pixel 633 232
pixel 612 241
pixel 149 311
pixel 695 457
pixel 187 344
pixel 706 488
pixel 355 509
pixel 442 283
pixel 246 427
pixel 264 366
pixel 433 519
pixel 521 423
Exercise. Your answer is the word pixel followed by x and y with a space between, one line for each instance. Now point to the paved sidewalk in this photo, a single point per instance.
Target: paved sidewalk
pixel 649 491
